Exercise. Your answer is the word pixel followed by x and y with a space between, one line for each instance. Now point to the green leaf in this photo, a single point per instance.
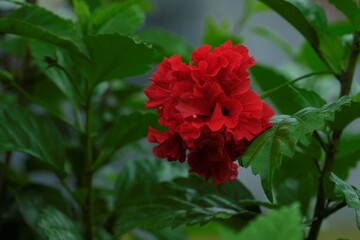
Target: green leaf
pixel 295 17
pixel 33 198
pixel 217 33
pixel 124 18
pixel 82 12
pixel 127 129
pixel 297 178
pixel 12 176
pixel 176 202
pixel 25 132
pixel 296 98
pixel 144 175
pixel 272 226
pixel 265 153
pixel 347 115
pixel 351 195
pixel 348 155
pixel 67 78
pixel 35 22
pixel 167 43
pixel 115 57
pixel 57 226
pixel 350 9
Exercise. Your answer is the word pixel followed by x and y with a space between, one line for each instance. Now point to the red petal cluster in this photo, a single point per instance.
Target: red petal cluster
pixel 208 109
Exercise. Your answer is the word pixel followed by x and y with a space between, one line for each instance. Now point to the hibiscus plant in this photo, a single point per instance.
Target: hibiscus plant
pixel 80 103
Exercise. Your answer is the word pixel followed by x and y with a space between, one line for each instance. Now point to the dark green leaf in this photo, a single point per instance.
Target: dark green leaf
pixel 124 18
pixel 347 156
pixel 310 58
pixel 347 115
pixel 127 129
pixel 67 78
pixel 296 98
pixel 297 178
pixel 265 153
pixel 166 42
pixel 217 33
pixel 144 175
pixel 185 201
pixel 272 226
pixel 32 199
pixel 115 57
pixel 23 131
pixel 13 45
pixel 57 226
pixel 12 176
pixel 350 9
pixel 295 16
pixel 351 195
pixel 36 22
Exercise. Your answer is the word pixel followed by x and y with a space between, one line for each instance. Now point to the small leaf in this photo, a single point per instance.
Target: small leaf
pixel 350 9
pixel 127 129
pixel 347 115
pixel 351 195
pixel 115 57
pixel 57 226
pixel 83 15
pixel 36 22
pixel 166 42
pixel 217 33
pixel 25 132
pixel 272 226
pixel 123 18
pixel 348 155
pixel 265 153
pixel 176 202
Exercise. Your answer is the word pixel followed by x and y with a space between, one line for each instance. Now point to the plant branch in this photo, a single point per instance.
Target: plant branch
pixel 345 78
pixel 271 91
pixel 87 208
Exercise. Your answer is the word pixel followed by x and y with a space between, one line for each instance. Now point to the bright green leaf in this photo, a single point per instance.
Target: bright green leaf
pixel 127 129
pixel 35 22
pixel 265 153
pixel 115 57
pixel 351 195
pixel 272 226
pixel 123 18
pixel 57 226
pixel 166 42
pixel 217 33
pixel 82 12
pixel 25 132
pixel 350 9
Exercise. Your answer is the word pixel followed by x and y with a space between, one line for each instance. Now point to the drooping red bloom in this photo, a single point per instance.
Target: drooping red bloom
pixel 208 109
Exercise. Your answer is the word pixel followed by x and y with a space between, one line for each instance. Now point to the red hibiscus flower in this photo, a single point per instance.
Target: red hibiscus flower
pixel 208 109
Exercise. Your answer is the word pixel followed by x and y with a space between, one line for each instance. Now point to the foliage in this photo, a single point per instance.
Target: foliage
pixel 74 163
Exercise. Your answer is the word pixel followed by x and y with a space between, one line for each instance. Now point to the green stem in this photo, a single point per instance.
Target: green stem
pixel 346 77
pixel 271 91
pixel 87 208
